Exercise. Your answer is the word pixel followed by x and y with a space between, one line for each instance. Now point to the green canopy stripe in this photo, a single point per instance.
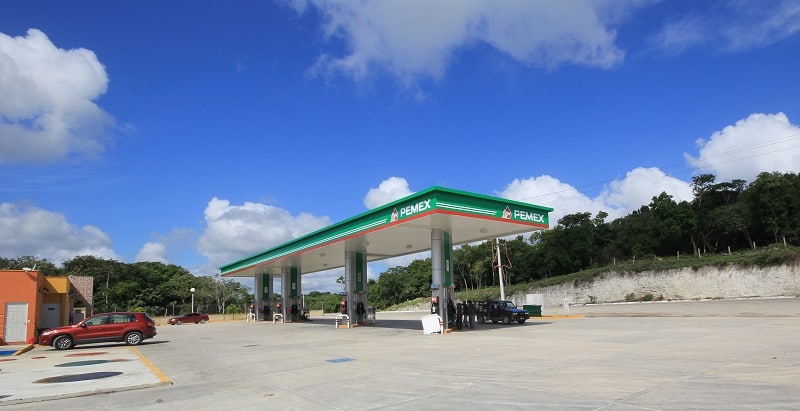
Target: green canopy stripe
pixel 467 209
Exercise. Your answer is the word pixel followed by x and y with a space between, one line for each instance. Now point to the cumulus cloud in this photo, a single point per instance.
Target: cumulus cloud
pixel 731 26
pixel 46 104
pixel 236 231
pixel 393 188
pixel 29 230
pixel 639 187
pixel 418 39
pixel 549 191
pixel 758 143
pixel 618 198
pixel 152 252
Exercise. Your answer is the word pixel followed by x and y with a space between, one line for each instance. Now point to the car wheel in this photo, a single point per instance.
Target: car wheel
pixel 179 322
pixel 506 320
pixel 62 342
pixel 133 338
pixel 203 321
pixel 521 321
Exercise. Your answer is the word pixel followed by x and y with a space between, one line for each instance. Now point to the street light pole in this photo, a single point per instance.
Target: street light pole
pixel 192 290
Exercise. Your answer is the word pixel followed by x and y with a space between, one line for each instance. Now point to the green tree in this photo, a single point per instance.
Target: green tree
pixel 773 200
pixel 673 223
pixel 42 265
pixel 709 198
pixel 634 233
pixel 226 291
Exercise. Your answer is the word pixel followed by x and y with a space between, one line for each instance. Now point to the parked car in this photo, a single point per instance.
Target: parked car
pixel 130 328
pixel 189 318
pixel 500 310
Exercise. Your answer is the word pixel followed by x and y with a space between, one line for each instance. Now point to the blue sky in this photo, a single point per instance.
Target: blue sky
pixel 196 133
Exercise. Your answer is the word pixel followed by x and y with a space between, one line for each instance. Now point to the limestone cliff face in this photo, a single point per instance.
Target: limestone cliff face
pixel 683 284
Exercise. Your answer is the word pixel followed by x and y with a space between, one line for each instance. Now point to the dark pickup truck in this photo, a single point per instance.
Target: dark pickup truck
pixel 499 310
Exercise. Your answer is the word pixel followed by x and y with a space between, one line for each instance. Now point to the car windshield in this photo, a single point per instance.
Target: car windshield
pixel 509 304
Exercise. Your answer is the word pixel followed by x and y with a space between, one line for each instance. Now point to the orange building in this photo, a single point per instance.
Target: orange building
pixel 29 302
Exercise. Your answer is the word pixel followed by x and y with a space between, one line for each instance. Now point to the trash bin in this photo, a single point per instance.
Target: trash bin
pixel 533 310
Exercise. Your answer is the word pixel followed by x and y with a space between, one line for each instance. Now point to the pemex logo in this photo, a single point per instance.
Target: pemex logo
pixel 507 213
pixel 394 216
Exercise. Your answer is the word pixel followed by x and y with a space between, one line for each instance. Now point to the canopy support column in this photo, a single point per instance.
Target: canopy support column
pixel 355 276
pixel 266 295
pixel 441 275
pixel 258 282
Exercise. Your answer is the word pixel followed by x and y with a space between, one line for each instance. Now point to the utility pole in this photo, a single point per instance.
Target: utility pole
pixel 108 276
pixel 500 271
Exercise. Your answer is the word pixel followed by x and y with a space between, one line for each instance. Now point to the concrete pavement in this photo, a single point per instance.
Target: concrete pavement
pixel 45 374
pixel 685 355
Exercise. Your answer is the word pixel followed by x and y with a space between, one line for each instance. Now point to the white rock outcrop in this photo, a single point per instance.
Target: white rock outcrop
pixel 682 284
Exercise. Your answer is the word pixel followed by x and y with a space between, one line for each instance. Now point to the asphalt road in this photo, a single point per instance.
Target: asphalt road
pixel 712 355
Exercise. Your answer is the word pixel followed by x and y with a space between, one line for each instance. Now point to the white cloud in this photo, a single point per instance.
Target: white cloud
pixel 731 26
pixel 323 281
pixel 234 232
pixel 639 187
pixel 678 36
pixel 417 39
pixel 619 198
pixel 46 105
pixel 759 25
pixel 393 188
pixel 759 143
pixel 28 230
pixel 152 251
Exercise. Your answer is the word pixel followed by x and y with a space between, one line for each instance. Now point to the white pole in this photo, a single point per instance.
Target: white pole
pixel 500 271
pixel 192 290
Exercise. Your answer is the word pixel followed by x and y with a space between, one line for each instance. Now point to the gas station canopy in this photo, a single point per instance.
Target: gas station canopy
pixel 399 228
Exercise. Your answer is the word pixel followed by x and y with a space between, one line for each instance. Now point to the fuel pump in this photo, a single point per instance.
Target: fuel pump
pixel 361 308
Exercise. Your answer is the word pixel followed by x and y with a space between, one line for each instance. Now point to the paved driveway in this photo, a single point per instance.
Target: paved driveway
pixel 739 355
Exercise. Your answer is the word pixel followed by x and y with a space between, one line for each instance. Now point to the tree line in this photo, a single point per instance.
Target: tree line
pixel 152 287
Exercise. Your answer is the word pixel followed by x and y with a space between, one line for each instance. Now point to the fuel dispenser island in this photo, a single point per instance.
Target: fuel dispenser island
pixel 442 304
pixel 294 308
pixel 343 304
pixel 361 308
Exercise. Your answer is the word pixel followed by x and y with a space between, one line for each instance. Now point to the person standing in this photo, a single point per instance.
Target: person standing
pixel 471 312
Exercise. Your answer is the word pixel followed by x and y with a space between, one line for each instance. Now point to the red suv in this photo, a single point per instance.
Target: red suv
pixel 130 328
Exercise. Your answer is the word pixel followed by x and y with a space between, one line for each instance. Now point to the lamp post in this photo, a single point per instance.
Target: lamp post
pixel 192 290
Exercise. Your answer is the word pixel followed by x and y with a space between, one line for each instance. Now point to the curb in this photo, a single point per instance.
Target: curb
pixel 23 350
